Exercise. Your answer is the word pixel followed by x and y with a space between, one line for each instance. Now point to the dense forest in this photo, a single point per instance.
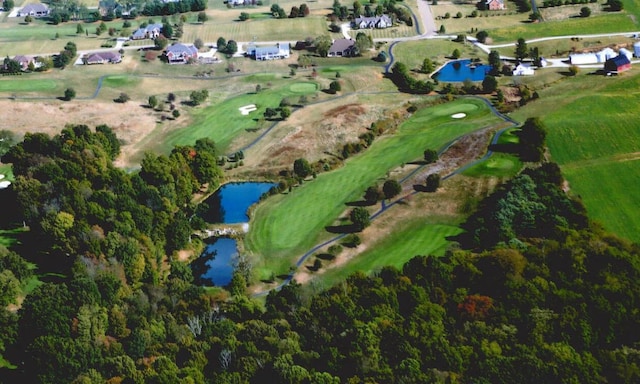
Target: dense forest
pixel 532 293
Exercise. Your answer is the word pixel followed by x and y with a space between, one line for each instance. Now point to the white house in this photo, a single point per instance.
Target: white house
pixel 523 70
pixel 379 22
pixel 35 10
pixel 273 52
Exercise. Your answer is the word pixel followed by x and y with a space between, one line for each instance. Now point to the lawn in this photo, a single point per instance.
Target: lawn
pixel 7 171
pixel 287 225
pixel 415 237
pixel 413 53
pixel 27 84
pixel 498 165
pixel 594 136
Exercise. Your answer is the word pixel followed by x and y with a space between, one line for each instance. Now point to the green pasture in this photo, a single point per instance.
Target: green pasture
pixel 257 30
pixel 594 136
pixel 610 193
pixel 400 30
pixel 287 225
pixel 498 165
pixel 413 238
pixel 223 122
pixel 603 23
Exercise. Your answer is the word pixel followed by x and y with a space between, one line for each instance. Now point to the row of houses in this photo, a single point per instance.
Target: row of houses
pixel 379 22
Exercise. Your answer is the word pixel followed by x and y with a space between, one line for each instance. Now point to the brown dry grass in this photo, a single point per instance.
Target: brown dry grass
pixel 130 122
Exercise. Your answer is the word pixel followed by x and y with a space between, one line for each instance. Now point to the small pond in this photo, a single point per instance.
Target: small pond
pixel 230 203
pixel 216 263
pixel 461 70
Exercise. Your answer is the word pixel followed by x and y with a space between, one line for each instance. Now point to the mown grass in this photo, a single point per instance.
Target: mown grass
pixel 594 136
pixel 26 84
pixel 413 53
pixel 413 238
pixel 9 237
pixel 287 225
pixel 7 171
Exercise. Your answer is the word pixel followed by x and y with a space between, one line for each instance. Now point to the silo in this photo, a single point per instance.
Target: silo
pixel 636 49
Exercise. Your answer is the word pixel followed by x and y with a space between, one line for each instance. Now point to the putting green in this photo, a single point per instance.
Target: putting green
pixel 120 81
pixel 303 87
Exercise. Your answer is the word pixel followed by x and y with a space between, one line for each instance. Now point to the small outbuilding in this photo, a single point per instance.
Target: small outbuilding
pixel 626 52
pixel 523 70
pixel 617 64
pixel 636 48
pixel 583 58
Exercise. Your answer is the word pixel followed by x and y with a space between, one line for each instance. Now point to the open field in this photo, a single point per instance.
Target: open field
pixel 594 137
pixel 413 53
pixel 498 165
pixel 286 225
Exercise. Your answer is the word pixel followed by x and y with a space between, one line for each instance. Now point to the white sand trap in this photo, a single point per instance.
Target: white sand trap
pixel 1 176
pixel 247 108
pixel 458 115
pixel 4 184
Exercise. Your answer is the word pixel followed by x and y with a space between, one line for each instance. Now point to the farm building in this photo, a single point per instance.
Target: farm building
pixel 35 10
pixel 342 48
pixel 626 52
pixel 617 64
pixel 179 53
pixel 102 58
pixel 273 52
pixel 605 55
pixel 379 22
pixel 636 49
pixel 523 70
pixel 583 58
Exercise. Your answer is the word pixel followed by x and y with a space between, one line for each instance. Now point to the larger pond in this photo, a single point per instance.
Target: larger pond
pixel 461 70
pixel 228 205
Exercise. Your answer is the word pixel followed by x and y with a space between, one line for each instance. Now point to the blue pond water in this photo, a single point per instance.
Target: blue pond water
pixel 230 203
pixel 461 70
pixel 215 265
pixel 229 206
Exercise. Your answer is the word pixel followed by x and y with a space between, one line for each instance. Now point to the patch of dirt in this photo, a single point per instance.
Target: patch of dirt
pixel 185 254
pixel 129 121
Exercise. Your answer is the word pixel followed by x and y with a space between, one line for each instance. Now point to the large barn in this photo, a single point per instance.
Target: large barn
pixel 617 64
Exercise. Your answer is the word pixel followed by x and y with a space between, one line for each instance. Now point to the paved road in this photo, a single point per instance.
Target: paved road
pixel 427 18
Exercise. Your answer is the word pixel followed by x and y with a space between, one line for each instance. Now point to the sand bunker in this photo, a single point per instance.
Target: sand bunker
pixel 458 115
pixel 1 177
pixel 4 184
pixel 247 108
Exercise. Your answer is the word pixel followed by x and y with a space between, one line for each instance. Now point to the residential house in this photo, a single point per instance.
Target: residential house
pixel 343 48
pixel 102 58
pixel 151 31
pixel 179 53
pixel 617 64
pixel 379 22
pixel 523 70
pixel 24 61
pixel 494 5
pixel 35 10
pixel 278 51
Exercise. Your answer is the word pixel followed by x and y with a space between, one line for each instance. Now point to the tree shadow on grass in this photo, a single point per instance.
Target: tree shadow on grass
pixel 360 203
pixel 347 228
pixel 325 256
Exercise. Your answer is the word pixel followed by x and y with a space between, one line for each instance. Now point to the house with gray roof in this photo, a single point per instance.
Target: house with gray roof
pixel 35 10
pixel 102 58
pixel 273 52
pixel 343 48
pixel 379 22
pixel 24 61
pixel 179 53
pixel 151 31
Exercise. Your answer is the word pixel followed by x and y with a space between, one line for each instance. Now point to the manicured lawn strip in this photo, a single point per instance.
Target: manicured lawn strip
pixel 498 165
pixel 8 236
pixel 606 23
pixel 222 121
pixel 509 136
pixel 287 225
pixel 610 193
pixel 417 237
pixel 26 84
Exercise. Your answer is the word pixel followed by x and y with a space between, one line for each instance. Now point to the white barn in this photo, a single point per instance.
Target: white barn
pixel 626 52
pixel 583 58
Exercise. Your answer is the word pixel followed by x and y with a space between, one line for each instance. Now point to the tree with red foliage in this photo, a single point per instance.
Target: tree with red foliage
pixel 475 307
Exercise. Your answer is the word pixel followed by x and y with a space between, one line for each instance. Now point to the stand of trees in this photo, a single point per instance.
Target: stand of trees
pixel 406 83
pixel 533 294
